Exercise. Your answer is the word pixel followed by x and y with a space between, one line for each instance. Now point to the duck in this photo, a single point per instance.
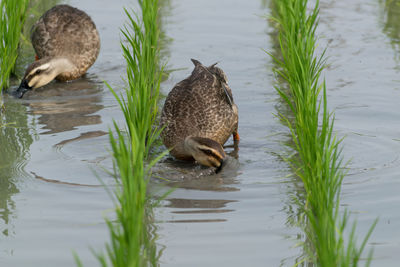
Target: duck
pixel 66 42
pixel 198 117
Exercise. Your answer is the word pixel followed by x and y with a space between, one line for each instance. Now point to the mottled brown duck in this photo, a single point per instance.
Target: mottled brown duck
pixel 199 115
pixel 66 42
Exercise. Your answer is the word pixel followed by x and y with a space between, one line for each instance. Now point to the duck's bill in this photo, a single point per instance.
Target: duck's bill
pixel 223 163
pixel 22 89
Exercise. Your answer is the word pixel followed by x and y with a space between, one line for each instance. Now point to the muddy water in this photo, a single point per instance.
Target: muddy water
pixel 50 199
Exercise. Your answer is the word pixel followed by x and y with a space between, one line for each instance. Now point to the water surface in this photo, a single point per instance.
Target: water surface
pixel 51 201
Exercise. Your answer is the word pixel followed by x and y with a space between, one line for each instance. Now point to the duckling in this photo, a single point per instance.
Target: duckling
pixel 66 42
pixel 199 115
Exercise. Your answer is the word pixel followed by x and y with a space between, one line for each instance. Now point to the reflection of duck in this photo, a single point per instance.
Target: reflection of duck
pixel 67 105
pixel 199 115
pixel 67 43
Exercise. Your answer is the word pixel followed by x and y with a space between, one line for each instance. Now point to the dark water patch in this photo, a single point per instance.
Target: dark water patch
pixel 177 171
pixel 197 203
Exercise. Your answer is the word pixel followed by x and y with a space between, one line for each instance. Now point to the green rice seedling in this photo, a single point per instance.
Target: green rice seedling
pixel 12 17
pixel 318 161
pixel 132 243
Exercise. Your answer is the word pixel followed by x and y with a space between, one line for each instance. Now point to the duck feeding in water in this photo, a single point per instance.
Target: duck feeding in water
pixel 199 115
pixel 66 42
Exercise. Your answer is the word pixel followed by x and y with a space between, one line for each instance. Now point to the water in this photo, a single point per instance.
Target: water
pixel 364 91
pixel 50 200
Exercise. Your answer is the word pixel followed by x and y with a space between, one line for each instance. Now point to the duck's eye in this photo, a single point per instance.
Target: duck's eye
pixel 208 152
pixel 38 71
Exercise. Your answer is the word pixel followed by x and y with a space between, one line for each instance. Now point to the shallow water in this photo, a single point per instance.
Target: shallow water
pixel 363 48
pixel 50 200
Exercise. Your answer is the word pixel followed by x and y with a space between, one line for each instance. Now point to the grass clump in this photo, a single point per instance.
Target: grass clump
pixel 132 243
pixel 318 161
pixel 12 18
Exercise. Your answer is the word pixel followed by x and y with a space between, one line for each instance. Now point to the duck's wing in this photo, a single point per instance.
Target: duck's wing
pixel 228 94
pixel 227 90
pixel 50 34
pixel 66 31
pixel 40 38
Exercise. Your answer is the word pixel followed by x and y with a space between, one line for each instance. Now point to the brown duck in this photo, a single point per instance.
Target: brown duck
pixel 66 42
pixel 199 115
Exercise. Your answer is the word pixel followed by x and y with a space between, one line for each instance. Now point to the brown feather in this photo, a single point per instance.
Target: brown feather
pixel 198 107
pixel 65 31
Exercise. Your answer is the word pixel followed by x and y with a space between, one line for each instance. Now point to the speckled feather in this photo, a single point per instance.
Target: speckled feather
pixel 64 31
pixel 198 106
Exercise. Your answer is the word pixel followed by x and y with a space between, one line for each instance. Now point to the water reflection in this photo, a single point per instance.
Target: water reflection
pixel 15 140
pixel 15 135
pixel 198 206
pixel 165 40
pixel 391 24
pixel 65 106
pixel 188 175
pixel 192 177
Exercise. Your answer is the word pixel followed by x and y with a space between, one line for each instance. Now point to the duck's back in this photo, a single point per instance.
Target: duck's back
pixel 197 106
pixel 65 31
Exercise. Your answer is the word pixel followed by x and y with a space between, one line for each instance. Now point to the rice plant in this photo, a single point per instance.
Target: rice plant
pixel 12 18
pixel 318 161
pixel 132 243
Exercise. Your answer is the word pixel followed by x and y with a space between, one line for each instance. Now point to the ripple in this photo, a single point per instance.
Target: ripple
pixel 61 182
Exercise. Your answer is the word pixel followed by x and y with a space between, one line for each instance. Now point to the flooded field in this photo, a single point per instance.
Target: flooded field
pixel 52 202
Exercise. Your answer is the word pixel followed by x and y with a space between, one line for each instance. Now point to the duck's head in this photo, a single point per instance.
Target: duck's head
pixel 205 151
pixel 40 73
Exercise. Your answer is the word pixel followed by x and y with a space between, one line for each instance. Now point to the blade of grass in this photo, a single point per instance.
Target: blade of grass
pixel 12 18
